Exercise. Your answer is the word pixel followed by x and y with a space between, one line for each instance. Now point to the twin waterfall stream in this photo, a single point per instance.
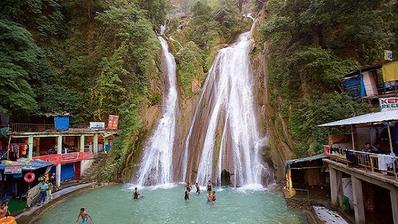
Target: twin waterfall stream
pixel 223 143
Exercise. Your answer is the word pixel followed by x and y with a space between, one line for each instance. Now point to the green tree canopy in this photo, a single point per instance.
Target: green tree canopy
pixel 19 57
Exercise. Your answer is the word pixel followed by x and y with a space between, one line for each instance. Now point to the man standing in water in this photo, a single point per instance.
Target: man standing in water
pixel 197 188
pixel 209 187
pixel 188 186
pixel 136 194
pixel 186 196
pixel 85 216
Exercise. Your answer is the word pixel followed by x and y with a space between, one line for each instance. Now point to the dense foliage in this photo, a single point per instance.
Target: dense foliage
pixel 211 25
pixel 90 58
pixel 311 45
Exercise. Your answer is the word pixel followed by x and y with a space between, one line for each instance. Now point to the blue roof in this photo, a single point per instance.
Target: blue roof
pixel 25 164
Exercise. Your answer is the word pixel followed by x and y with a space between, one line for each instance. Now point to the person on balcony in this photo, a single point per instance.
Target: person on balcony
pixel 370 148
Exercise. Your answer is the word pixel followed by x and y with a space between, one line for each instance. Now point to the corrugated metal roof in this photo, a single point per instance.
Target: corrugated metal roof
pixel 25 164
pixel 377 117
pixel 288 163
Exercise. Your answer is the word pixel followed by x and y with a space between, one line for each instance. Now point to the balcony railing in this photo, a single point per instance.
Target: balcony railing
pixel 34 127
pixel 30 127
pixel 377 163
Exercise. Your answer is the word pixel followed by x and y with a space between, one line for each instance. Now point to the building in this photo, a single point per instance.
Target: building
pixel 372 82
pixel 306 174
pixel 71 150
pixel 363 166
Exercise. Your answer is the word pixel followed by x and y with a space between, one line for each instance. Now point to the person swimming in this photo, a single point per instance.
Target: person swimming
pixel 136 194
pixel 197 188
pixel 186 196
pixel 84 215
pixel 210 197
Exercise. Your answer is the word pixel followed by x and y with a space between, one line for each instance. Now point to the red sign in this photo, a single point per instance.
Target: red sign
pixel 66 158
pixel 113 122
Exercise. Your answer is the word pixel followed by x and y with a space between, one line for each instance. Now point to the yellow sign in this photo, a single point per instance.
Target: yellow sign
pixel 390 71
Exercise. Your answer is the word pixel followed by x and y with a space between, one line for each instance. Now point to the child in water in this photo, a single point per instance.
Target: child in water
pixel 186 196
pixel 84 215
pixel 213 199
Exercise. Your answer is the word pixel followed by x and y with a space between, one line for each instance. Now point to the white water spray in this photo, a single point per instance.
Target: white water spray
pixel 156 165
pixel 232 101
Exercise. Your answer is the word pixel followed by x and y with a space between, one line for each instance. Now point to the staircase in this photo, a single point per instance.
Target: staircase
pixel 90 174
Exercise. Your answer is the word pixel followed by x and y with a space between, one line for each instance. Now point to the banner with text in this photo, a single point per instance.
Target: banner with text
pixel 390 103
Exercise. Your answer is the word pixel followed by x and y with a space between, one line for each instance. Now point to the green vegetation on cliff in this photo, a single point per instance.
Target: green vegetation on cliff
pixel 201 35
pixel 91 58
pixel 311 45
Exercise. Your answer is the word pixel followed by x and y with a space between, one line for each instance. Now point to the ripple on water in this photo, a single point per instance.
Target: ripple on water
pixel 114 204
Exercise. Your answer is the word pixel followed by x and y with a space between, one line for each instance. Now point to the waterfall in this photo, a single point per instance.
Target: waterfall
pixel 225 120
pixel 156 165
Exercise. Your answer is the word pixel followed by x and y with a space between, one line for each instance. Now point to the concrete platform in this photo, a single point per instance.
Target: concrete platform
pixel 28 215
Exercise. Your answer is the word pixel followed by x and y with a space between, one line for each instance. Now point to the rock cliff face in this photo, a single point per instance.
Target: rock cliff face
pixel 186 166
pixel 279 145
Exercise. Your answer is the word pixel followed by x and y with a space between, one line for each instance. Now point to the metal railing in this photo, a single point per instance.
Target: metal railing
pixel 34 127
pixel 30 127
pixel 378 163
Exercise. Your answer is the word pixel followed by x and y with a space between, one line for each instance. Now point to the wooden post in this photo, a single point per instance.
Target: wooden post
pixel 95 143
pixel 359 208
pixel 58 166
pixel 30 146
pixel 394 205
pixel 81 143
pixel 335 187
pixel 352 137
pixel 391 149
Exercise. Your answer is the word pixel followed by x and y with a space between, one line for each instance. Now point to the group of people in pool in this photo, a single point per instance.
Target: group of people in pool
pixel 211 195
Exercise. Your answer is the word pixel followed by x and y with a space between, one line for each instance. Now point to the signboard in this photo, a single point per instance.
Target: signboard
pixel 113 122
pixel 97 125
pixel 66 158
pixel 12 170
pixel 387 55
pixel 69 157
pixel 390 103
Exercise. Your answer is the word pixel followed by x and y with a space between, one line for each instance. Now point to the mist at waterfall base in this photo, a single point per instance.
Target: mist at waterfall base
pixel 156 166
pixel 113 204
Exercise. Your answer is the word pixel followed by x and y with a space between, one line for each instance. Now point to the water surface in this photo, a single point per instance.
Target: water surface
pixel 115 205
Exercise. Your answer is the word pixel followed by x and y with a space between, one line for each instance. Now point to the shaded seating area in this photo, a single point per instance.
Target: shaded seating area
pixel 307 178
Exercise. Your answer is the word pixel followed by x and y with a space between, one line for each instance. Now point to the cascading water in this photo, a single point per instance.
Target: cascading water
pixel 225 120
pixel 156 165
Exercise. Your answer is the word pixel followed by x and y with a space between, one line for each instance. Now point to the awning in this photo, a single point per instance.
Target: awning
pixel 290 162
pixel 16 167
pixel 377 117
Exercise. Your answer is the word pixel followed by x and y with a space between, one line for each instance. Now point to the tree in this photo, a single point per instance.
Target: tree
pixel 312 46
pixel 19 57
